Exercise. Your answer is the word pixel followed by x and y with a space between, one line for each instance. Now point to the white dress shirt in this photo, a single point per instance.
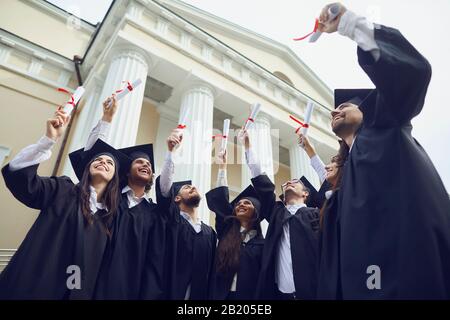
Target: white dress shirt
pixel 248 236
pixel 284 275
pixel 132 199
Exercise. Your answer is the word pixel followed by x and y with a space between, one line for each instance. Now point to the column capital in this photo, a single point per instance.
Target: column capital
pixel 132 52
pixel 200 86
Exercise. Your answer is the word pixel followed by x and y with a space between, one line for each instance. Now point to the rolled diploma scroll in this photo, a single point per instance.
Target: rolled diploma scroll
pixel 308 113
pixel 126 91
pixel 226 130
pixel 253 113
pixel 333 12
pixel 183 119
pixel 68 108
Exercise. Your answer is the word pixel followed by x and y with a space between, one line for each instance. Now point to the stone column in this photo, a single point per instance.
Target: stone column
pixel 193 160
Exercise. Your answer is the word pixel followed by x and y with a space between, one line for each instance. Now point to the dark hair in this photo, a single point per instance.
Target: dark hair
pixel 229 247
pixel 149 185
pixel 110 198
pixel 340 160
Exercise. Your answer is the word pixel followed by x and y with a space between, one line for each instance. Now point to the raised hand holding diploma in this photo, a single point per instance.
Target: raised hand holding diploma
pixel 57 125
pixel 182 124
pixel 253 114
pixel 109 108
pixel 121 93
pixel 303 128
pixel 327 22
pixel 174 140
pixel 304 143
pixel 308 113
pixel 222 159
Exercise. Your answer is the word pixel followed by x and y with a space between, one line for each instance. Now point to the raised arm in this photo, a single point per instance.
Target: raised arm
pixel 101 130
pixel 21 176
pixel 164 182
pixel 399 72
pixel 261 182
pixel 316 162
pixel 218 199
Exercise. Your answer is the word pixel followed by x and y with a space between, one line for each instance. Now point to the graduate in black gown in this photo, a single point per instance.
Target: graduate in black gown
pixel 191 244
pixel 61 256
pixel 239 252
pixel 326 199
pixel 393 210
pixel 134 262
pixel 289 263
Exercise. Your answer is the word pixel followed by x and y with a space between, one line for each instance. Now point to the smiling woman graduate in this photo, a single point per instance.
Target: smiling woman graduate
pixel 239 252
pixel 73 227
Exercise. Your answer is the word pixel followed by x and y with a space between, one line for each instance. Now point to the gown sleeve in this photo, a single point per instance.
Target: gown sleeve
pixel 218 202
pixel 265 189
pixel 401 76
pixel 32 190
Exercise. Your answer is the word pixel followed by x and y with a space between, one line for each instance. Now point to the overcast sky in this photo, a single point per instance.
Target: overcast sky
pixel 333 58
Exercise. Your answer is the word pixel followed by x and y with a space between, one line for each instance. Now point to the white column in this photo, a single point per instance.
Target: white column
pixel 126 65
pixel 301 165
pixel 193 160
pixel 87 119
pixel 261 144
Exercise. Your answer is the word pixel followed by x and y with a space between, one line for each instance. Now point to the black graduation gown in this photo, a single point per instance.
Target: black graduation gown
pixel 328 285
pixel 394 209
pixel 56 240
pixel 303 228
pixel 250 252
pixel 133 263
pixel 189 255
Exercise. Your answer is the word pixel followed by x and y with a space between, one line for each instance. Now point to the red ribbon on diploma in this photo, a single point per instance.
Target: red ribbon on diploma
pixel 129 87
pixel 248 119
pixel 316 26
pixel 219 136
pixel 72 100
pixel 302 125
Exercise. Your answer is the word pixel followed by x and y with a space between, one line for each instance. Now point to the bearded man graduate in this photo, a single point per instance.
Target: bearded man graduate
pixel 394 211
pixel 191 244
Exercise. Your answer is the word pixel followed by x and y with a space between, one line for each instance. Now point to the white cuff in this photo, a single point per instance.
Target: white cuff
pixel 222 178
pixel 360 30
pixel 45 143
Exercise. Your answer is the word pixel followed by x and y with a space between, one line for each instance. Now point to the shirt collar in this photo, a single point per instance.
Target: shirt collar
pixel 130 192
pixel 248 235
pixel 293 208
pixel 188 218
pixel 93 204
pixel 328 194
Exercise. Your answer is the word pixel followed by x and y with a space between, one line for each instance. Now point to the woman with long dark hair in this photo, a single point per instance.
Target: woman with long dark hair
pixel 239 252
pixel 61 255
pixel 328 286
